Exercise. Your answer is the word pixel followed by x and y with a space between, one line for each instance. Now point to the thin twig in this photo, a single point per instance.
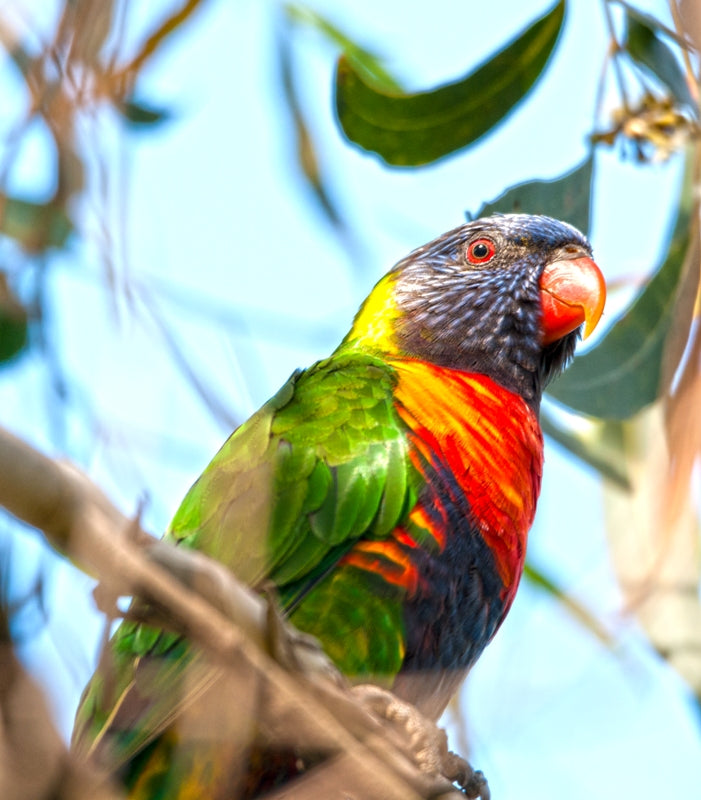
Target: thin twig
pixel 615 51
pixel 691 78
pixel 157 37
pixel 218 408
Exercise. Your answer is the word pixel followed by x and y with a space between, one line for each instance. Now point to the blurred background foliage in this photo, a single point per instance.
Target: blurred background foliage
pixel 80 98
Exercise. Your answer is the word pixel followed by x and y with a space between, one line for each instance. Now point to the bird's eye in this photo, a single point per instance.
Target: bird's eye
pixel 480 251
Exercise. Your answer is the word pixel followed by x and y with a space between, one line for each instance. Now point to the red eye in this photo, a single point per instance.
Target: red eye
pixel 480 251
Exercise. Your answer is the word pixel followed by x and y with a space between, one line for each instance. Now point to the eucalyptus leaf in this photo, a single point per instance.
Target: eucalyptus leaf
pixel 363 60
pixel 34 226
pixel 415 129
pixel 654 23
pixel 307 157
pixel 13 336
pixel 142 115
pixel 648 50
pixel 623 374
pixel 13 323
pixel 566 197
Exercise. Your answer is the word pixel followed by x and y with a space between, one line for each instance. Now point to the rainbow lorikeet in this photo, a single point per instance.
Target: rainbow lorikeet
pixel 387 491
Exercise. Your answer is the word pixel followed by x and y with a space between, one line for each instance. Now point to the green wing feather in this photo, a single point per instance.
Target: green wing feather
pixel 323 463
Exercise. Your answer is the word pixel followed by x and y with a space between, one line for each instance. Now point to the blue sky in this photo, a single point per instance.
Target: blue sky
pixel 210 213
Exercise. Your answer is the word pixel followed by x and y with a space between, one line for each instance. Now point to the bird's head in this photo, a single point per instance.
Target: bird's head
pixel 507 296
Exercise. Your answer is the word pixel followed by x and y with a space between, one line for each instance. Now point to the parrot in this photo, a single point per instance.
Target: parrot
pixel 386 492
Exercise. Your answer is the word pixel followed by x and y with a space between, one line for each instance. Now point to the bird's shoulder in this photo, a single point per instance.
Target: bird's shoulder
pixel 322 463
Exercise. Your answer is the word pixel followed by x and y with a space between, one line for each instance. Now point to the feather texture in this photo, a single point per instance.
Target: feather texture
pixel 386 491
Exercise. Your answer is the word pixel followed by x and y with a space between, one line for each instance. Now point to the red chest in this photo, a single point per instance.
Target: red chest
pixel 489 440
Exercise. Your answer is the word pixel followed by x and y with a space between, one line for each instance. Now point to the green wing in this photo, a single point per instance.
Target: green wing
pixel 321 464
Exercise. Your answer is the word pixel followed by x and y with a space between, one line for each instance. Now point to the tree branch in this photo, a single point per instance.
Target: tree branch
pixel 33 759
pixel 237 630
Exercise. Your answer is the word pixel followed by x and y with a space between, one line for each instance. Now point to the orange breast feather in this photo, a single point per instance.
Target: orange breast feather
pixel 490 441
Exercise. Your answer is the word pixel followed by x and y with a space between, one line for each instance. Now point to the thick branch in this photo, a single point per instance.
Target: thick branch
pixel 202 603
pixel 50 496
pixel 33 759
pixel 78 520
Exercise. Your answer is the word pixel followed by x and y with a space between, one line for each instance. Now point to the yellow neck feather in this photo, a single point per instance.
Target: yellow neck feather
pixel 374 324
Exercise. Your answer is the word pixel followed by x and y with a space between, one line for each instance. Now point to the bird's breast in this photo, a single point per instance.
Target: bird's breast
pixel 479 449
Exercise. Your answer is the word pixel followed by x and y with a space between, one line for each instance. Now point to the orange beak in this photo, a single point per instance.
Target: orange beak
pixel 572 293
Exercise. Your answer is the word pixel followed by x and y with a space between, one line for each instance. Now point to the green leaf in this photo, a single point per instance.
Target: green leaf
pixel 307 158
pixel 13 336
pixel 363 60
pixel 13 323
pixel 35 226
pixel 647 49
pixel 566 197
pixel 414 129
pixel 653 22
pixel 140 115
pixel 623 374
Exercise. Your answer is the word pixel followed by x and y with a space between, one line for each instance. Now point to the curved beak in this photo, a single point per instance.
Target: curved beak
pixel 572 293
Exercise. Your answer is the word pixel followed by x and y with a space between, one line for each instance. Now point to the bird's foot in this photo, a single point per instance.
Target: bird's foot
pixel 427 742
pixel 293 649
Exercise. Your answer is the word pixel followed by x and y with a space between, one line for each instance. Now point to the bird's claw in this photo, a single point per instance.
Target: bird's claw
pixel 428 743
pixel 471 781
pixel 293 649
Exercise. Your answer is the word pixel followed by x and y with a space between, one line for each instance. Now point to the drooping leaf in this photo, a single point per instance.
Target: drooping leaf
pixel 414 129
pixel 566 197
pixel 624 373
pixel 648 50
pixel 141 115
pixel 13 323
pixel 13 336
pixel 306 149
pixel 654 23
pixel 363 60
pixel 23 60
pixel 35 226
